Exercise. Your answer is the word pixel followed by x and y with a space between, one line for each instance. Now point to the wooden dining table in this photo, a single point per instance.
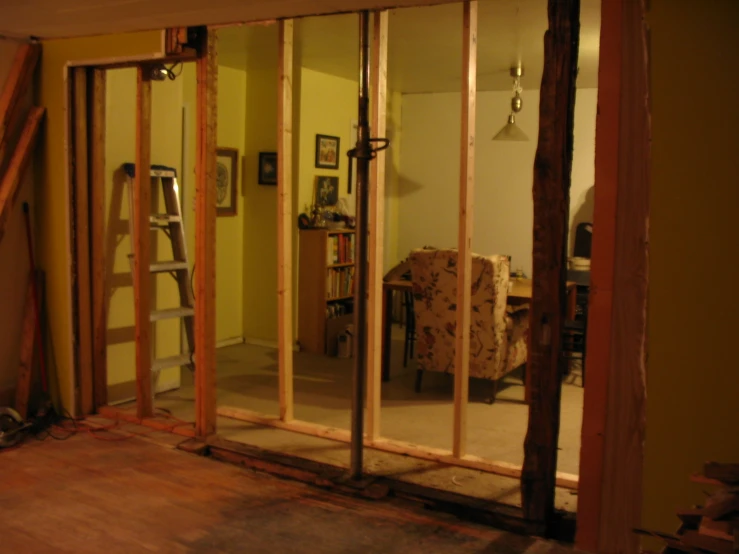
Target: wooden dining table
pixel 520 293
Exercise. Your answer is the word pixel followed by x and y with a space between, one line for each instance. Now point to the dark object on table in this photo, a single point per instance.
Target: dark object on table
pixel 583 240
pixel 303 221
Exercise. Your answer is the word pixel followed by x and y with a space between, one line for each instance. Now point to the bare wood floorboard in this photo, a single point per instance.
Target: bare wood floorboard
pixel 142 495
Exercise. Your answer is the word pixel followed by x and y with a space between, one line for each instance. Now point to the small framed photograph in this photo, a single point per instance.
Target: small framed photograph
pixel 226 180
pixel 267 168
pixel 326 190
pixel 327 152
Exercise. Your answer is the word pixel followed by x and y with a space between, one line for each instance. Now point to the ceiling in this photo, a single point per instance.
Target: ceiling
pixel 425 45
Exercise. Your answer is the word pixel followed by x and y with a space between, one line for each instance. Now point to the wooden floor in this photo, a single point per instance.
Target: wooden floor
pixel 141 494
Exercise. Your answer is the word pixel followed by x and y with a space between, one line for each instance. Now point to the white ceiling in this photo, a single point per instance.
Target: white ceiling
pixel 425 45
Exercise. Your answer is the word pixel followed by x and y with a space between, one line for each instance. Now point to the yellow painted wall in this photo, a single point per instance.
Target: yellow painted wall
pixel 53 236
pixel 692 376
pixel 166 149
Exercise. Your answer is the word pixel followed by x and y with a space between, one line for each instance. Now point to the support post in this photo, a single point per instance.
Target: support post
pixel 141 240
pixel 611 456
pixel 85 401
pixel 464 249
pixel 97 219
pixel 551 191
pixel 376 226
pixel 205 236
pixel 363 152
pixel 285 218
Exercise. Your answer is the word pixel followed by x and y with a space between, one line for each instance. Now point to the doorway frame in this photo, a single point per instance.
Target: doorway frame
pixel 619 240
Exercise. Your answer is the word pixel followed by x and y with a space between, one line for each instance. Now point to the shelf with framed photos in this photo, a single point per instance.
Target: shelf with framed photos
pixel 325 287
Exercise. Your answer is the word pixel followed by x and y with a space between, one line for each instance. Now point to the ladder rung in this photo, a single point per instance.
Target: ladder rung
pixel 172 313
pixel 166 267
pixel 172 361
pixel 162 219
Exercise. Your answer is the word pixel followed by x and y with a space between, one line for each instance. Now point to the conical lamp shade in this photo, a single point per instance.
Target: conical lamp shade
pixel 511 131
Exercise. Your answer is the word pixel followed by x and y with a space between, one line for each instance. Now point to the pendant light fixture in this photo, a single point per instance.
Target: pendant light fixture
pixel 511 131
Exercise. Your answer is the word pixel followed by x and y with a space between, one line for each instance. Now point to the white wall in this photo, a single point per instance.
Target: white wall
pixel 429 173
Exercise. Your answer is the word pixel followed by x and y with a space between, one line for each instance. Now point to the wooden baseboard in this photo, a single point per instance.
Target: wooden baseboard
pixel 230 342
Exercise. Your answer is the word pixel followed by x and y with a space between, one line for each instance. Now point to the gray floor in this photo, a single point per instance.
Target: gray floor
pixel 247 378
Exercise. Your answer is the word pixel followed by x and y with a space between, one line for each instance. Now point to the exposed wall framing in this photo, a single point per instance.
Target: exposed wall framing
pixel 205 236
pixel 464 238
pixel 552 173
pixel 378 88
pixel 142 248
pixel 285 217
pixel 609 503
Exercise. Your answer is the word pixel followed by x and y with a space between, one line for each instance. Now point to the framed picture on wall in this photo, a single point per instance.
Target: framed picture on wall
pixel 267 168
pixel 326 190
pixel 327 152
pixel 226 180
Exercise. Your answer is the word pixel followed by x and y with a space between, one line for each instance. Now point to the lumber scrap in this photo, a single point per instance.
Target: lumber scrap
pixel 16 85
pixel 13 175
pixel 25 370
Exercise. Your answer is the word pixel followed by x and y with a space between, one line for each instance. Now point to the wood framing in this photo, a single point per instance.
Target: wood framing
pixel 11 180
pixel 25 369
pixel 141 240
pixel 564 480
pixel 16 84
pixel 85 401
pixel 285 217
pixel 552 169
pixel 97 232
pixel 205 236
pixel 464 240
pixel 378 101
pixel 175 40
pixel 611 456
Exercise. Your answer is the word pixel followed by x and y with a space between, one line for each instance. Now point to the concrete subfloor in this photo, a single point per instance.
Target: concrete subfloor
pixel 141 495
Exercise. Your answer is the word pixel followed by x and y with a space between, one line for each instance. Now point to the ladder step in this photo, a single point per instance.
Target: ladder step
pixel 172 361
pixel 166 267
pixel 172 313
pixel 164 219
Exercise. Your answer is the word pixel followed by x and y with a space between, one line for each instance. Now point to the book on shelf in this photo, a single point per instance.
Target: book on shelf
pixel 340 249
pixel 340 282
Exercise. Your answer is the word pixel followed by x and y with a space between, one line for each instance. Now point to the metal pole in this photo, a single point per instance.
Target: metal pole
pixel 363 153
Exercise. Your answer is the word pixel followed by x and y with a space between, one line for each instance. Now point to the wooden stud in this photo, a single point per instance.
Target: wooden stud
pixel 610 499
pixel 25 370
pixel 552 172
pixel 85 402
pixel 284 218
pixel 564 480
pixel 376 225
pixel 11 180
pixel 205 236
pixel 98 257
pixel 142 255
pixel 16 84
pixel 175 40
pixel 464 249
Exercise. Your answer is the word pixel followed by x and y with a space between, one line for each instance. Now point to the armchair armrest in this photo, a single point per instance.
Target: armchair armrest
pixel 517 322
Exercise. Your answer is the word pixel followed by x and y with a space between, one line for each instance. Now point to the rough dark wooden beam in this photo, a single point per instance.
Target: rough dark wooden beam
pixel 552 169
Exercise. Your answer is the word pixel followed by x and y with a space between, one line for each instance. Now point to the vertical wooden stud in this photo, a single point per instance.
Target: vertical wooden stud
pixel 464 249
pixel 141 239
pixel 552 171
pixel 97 222
pixel 85 402
pixel 376 224
pixel 205 236
pixel 284 217
pixel 611 456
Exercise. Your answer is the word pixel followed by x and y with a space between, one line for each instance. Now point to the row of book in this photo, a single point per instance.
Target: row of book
pixel 340 282
pixel 340 249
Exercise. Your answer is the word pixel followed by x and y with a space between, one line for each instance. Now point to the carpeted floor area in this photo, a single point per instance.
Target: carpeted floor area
pixel 247 378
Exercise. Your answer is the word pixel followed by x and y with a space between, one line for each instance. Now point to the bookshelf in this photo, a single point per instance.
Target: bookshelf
pixel 325 287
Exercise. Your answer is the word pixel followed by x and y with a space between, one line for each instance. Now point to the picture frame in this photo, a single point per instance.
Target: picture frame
pixel 227 170
pixel 327 152
pixel 325 191
pixel 267 168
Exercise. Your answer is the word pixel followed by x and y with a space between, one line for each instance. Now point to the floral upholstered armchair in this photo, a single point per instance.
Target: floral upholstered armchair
pixel 497 334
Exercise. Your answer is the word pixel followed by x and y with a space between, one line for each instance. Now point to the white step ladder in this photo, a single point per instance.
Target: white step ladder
pixel 171 224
